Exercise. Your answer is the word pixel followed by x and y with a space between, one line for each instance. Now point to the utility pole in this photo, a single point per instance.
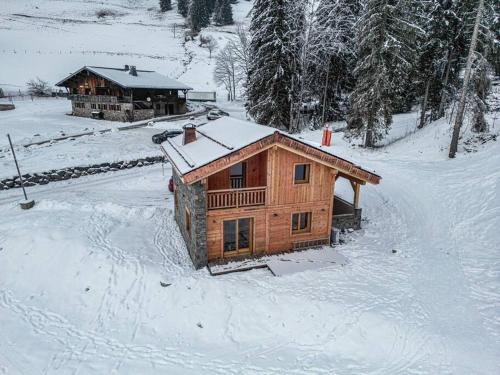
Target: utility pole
pixel 461 105
pixel 26 204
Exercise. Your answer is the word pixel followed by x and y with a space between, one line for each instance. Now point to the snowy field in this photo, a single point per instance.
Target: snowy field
pixel 80 273
pixel 80 280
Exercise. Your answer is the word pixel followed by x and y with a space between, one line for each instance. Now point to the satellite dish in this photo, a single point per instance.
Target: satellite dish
pixel 148 99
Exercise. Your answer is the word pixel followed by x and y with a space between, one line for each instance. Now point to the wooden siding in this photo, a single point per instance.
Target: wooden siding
pixel 272 222
pixel 286 142
pixel 255 174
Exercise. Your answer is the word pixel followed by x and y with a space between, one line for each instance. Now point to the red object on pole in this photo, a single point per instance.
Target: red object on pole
pixel 327 136
pixel 171 185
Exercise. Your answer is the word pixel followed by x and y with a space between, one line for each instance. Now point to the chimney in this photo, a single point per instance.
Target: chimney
pixel 189 134
pixel 132 71
pixel 126 68
pixel 327 136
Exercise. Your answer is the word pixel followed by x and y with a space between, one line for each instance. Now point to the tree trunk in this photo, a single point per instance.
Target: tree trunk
pixel 369 132
pixel 461 104
pixel 423 107
pixel 324 94
pixel 443 89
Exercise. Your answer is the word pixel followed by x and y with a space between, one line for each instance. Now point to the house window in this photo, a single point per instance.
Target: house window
pixel 237 235
pixel 301 173
pixel 301 222
pixel 93 106
pixel 118 107
pixel 187 221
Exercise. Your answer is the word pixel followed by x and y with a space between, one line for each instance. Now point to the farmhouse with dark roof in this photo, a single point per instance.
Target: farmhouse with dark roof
pixel 126 94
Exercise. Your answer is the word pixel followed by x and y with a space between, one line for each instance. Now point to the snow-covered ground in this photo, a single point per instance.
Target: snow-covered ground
pixel 80 273
pixel 80 279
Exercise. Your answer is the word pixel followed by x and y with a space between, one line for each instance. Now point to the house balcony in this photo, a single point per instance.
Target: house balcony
pixel 236 198
pixel 100 98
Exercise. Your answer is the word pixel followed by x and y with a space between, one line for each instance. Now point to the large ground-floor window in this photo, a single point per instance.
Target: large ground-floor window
pixel 237 235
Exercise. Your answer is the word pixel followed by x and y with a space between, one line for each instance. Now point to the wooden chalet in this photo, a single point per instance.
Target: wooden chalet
pixel 126 94
pixel 243 189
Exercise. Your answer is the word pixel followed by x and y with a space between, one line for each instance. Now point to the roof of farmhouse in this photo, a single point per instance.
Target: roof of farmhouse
pixel 142 79
pixel 229 138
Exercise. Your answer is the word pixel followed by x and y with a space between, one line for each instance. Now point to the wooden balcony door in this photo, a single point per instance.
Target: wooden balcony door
pixel 237 176
pixel 237 236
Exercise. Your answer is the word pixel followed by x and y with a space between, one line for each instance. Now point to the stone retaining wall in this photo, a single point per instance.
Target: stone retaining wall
pixel 44 178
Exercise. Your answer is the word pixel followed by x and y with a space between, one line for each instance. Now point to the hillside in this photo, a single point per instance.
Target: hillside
pixel 50 38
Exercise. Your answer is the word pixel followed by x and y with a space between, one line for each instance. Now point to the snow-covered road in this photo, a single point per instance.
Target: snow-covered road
pixel 80 282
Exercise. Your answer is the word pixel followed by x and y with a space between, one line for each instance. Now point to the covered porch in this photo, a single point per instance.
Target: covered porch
pixel 347 214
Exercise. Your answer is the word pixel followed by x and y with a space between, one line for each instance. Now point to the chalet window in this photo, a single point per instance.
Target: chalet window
pixel 301 222
pixel 301 173
pixel 93 106
pixel 118 107
pixel 237 235
pixel 187 221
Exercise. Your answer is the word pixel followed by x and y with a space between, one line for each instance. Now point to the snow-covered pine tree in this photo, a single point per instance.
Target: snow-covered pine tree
pixel 165 5
pixel 183 7
pixel 210 6
pixel 199 16
pixel 274 69
pixel 223 13
pixel 330 55
pixel 386 50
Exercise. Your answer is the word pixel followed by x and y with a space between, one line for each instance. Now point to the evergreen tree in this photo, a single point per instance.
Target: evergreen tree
pixel 331 53
pixel 165 5
pixel 274 68
pixel 211 4
pixel 223 13
pixel 183 7
pixel 386 45
pixel 199 16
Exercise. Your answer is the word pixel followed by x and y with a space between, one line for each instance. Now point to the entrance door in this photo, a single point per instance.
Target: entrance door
pixel 237 237
pixel 171 109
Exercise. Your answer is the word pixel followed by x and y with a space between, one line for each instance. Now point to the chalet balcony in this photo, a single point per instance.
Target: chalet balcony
pixel 100 99
pixel 236 198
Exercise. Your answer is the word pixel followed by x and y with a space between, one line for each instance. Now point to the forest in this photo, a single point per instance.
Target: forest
pixel 304 63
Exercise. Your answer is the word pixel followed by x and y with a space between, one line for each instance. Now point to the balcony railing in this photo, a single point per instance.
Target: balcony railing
pixel 100 98
pixel 235 198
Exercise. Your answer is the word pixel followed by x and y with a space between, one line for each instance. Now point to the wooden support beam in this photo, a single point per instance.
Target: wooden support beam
pixel 356 188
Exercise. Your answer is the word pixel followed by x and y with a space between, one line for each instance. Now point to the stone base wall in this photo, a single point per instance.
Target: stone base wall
pixel 126 113
pixel 346 221
pixel 193 198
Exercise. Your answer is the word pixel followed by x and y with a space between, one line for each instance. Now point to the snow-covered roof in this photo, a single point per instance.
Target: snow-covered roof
pixel 226 136
pixel 145 79
pixel 213 141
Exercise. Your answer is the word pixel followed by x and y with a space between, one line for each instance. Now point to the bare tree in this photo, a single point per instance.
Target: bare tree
pixel 212 45
pixel 209 43
pixel 38 87
pixel 225 71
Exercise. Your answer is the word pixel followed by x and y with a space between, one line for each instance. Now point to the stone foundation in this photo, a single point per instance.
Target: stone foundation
pixel 346 221
pixel 191 200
